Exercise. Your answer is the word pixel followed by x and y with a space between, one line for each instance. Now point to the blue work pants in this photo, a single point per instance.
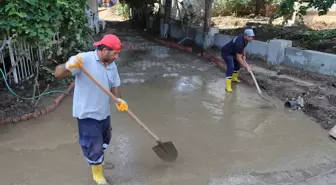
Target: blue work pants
pixel 94 138
pixel 232 65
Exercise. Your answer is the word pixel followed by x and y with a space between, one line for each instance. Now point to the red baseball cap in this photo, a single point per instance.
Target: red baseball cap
pixel 111 41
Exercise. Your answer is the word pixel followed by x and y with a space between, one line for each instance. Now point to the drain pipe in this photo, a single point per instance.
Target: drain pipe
pixel 295 103
pixel 291 104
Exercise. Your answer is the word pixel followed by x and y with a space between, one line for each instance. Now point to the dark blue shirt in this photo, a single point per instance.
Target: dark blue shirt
pixel 236 45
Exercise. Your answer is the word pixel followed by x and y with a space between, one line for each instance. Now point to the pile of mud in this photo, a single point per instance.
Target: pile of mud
pixel 318 91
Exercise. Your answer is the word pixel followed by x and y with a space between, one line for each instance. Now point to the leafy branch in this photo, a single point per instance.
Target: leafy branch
pixel 38 21
pixel 287 7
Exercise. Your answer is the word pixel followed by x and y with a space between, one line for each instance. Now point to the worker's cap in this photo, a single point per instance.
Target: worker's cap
pixel 110 41
pixel 249 32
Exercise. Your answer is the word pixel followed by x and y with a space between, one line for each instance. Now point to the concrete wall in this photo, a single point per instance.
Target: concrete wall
pixel 258 49
pixel 276 52
pixel 320 62
pixel 221 39
pixel 255 48
pixel 177 32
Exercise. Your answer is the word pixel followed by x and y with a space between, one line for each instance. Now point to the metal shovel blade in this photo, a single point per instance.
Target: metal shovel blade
pixel 166 151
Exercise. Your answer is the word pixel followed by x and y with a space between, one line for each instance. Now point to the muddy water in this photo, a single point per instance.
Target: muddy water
pixel 216 133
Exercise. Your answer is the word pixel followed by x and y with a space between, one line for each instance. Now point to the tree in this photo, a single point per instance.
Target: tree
pixel 140 9
pixel 259 4
pixel 207 21
pixel 138 4
pixel 321 6
pixel 287 7
pixel 167 8
pixel 207 15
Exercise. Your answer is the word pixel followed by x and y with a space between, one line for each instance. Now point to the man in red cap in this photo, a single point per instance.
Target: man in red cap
pixel 91 106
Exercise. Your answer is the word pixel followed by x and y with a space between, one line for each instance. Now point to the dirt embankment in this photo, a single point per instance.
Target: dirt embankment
pixel 318 91
pixel 109 14
pixel 21 103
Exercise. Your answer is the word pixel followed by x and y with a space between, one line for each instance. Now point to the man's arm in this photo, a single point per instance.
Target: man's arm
pixel 240 59
pixel 61 71
pixel 116 92
pixel 116 83
pixel 121 104
pixel 240 53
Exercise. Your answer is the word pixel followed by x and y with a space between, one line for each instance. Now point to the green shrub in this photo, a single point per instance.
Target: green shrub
pixel 123 10
pixel 232 7
pixel 239 7
pixel 37 22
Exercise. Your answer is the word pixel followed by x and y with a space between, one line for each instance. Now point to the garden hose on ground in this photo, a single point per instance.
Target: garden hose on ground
pixel 43 94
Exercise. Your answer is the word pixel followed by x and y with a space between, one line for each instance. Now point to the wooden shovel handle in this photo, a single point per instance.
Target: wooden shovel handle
pixel 255 82
pixel 254 79
pixel 117 101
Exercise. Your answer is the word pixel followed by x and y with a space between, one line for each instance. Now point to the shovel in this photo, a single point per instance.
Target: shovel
pixel 258 88
pixel 164 150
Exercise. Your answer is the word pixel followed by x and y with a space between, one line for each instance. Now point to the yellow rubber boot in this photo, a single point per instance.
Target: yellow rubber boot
pixel 228 85
pixel 235 77
pixel 97 173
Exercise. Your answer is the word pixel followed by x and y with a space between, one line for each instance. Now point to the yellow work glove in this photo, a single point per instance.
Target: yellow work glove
pixel 122 106
pixel 74 62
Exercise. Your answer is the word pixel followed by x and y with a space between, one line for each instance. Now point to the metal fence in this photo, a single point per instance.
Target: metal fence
pixel 17 60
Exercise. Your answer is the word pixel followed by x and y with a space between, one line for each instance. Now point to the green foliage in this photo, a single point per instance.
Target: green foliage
pixel 219 7
pixel 230 7
pixel 138 3
pixel 286 7
pixel 237 7
pixel 37 22
pixel 33 20
pixel 123 10
pixel 309 36
pixel 74 28
pixel 321 6
pixel 240 7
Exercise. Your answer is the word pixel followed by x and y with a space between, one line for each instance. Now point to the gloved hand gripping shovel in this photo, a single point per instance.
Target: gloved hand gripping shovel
pixel 165 150
pixel 258 88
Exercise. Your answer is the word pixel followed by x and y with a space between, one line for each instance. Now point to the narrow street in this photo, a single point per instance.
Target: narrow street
pixel 222 138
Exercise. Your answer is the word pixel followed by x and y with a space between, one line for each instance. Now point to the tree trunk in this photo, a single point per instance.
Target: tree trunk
pixel 167 10
pixel 207 15
pixel 207 19
pixel 260 4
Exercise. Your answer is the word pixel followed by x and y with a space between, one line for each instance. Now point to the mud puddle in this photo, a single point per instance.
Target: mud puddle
pixel 215 133
pixel 317 90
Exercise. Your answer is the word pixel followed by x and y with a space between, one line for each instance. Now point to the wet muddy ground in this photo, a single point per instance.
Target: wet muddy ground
pixel 222 138
pixel 318 91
